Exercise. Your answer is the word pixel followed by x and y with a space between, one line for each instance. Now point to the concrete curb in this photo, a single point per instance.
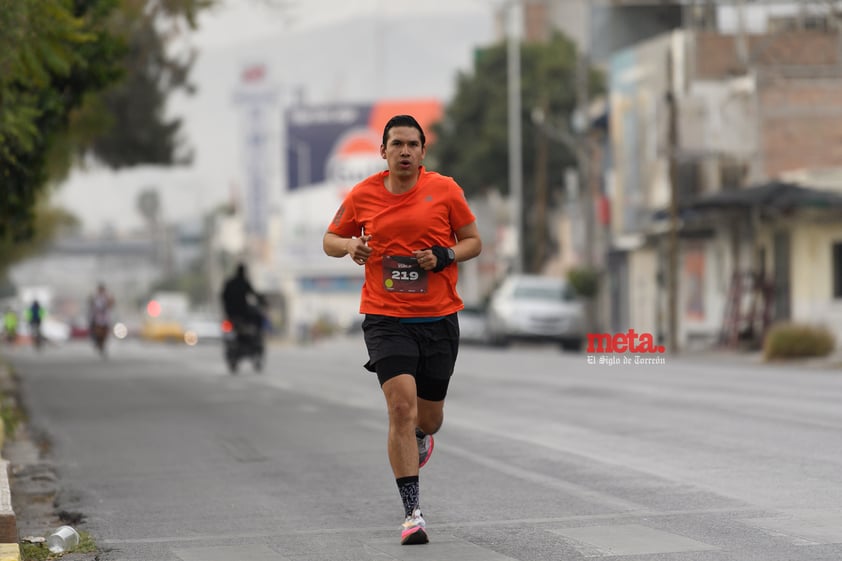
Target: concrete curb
pixel 9 545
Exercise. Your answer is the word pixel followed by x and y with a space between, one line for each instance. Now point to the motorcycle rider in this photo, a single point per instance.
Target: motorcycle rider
pixel 241 301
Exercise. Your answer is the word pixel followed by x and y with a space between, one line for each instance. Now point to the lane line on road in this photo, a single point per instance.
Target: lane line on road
pixel 498 523
pixel 441 547
pixel 227 553
pixel 628 539
pixel 819 527
pixel 579 491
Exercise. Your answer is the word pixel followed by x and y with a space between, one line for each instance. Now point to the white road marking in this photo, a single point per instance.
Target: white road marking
pixel 628 539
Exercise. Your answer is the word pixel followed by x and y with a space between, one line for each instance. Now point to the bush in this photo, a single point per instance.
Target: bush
pixel 584 280
pixel 10 415
pixel 794 340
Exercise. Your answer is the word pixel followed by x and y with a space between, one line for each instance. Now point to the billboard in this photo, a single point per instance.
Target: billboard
pixel 340 142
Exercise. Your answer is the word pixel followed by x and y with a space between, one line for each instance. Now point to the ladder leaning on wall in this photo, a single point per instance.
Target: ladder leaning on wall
pixel 748 310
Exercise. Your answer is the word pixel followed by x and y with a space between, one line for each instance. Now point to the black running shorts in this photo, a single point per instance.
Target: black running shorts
pixel 426 350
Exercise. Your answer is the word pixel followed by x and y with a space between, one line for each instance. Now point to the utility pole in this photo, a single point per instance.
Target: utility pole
pixel 582 129
pixel 742 40
pixel 836 18
pixel 515 134
pixel 540 174
pixel 672 259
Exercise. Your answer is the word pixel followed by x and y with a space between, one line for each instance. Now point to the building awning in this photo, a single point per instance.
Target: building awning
pixel 774 195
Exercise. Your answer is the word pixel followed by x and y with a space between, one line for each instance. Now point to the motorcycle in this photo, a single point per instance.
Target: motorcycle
pixel 244 340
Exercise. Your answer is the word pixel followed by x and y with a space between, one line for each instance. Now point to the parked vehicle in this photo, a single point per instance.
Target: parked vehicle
pixel 79 328
pixel 202 328
pixel 536 308
pixel 164 319
pixel 473 326
pixel 162 330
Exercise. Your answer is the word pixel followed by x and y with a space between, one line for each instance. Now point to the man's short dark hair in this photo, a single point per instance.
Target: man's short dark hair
pixel 403 121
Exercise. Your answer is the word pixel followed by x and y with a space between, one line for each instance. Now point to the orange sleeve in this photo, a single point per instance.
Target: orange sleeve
pixel 344 222
pixel 460 212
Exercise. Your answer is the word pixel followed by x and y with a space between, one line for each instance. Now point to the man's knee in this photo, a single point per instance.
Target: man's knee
pixel 400 399
pixel 402 411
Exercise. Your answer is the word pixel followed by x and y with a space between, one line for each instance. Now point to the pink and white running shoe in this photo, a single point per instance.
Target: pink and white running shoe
pixel 413 531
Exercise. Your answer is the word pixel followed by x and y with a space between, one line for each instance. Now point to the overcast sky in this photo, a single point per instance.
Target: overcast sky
pixel 233 21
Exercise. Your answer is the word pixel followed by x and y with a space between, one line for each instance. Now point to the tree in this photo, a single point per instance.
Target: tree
pixel 52 54
pixel 138 130
pixel 48 222
pixel 472 137
pixel 57 60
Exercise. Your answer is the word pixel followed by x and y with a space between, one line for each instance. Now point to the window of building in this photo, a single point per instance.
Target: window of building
pixel 837 270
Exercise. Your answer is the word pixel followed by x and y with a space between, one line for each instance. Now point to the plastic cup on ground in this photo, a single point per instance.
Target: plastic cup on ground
pixel 63 539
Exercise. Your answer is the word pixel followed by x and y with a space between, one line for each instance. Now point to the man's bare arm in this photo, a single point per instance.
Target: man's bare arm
pixel 337 246
pixel 469 244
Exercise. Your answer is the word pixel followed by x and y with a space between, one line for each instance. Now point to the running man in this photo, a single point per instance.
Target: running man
pixel 408 227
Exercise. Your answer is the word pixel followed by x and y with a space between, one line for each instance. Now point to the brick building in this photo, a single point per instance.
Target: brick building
pixel 798 77
pixel 750 109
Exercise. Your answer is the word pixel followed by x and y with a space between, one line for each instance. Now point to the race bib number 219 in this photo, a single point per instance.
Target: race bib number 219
pixel 402 273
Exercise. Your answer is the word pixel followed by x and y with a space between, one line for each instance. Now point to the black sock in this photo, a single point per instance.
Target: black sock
pixel 410 493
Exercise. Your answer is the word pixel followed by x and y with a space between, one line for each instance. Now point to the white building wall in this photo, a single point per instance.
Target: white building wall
pixel 812 276
pixel 643 305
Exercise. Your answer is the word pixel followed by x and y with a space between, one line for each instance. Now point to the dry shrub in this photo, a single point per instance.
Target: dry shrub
pixel 797 340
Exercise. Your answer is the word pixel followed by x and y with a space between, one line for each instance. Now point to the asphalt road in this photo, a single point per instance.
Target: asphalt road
pixel 543 457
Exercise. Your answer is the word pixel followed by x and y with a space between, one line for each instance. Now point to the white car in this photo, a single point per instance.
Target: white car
pixel 473 326
pixel 202 329
pixel 536 308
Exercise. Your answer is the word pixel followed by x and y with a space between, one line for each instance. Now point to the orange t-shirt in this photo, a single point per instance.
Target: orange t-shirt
pixel 428 214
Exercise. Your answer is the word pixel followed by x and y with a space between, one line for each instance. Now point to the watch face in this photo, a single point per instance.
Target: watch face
pixel 451 254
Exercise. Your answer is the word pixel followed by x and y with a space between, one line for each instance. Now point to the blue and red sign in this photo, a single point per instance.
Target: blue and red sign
pixel 341 142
